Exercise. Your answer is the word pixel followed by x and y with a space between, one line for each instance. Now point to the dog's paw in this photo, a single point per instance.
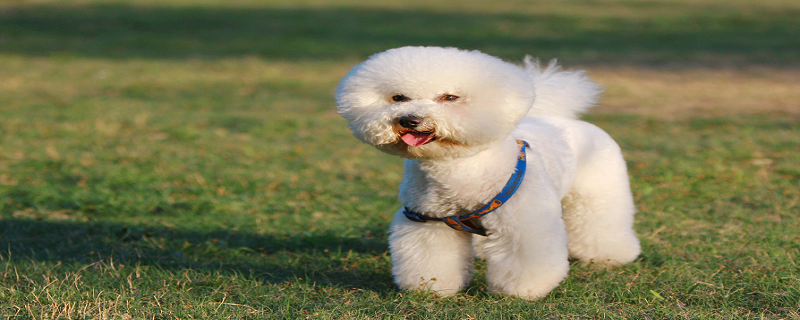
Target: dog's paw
pixel 441 288
pixel 529 290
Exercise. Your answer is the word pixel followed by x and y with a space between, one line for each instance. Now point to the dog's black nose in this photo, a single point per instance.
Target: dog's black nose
pixel 409 121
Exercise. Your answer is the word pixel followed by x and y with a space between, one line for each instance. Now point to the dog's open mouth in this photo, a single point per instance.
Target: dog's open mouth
pixel 417 138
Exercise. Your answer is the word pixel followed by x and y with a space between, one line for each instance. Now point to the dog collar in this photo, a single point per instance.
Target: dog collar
pixel 463 222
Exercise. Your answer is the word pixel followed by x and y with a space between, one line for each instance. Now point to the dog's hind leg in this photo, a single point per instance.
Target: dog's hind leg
pixel 429 256
pixel 599 211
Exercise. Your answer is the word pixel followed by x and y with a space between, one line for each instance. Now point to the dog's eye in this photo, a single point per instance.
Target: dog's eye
pixel 447 98
pixel 400 98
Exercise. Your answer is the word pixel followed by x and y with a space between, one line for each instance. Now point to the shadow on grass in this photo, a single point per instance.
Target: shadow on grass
pixel 321 258
pixel 657 32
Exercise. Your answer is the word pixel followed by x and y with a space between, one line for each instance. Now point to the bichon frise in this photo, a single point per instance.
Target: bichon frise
pixel 497 166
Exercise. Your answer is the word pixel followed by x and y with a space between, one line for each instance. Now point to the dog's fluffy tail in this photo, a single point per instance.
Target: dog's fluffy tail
pixel 560 93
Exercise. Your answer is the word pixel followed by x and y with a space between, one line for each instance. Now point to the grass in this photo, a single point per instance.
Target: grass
pixel 181 159
pixel 666 32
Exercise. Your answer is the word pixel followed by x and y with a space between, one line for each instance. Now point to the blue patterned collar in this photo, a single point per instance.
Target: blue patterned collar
pixel 463 222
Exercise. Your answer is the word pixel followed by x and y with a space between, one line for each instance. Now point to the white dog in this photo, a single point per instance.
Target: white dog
pixel 472 128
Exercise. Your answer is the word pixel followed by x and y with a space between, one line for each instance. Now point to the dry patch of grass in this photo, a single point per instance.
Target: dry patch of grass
pixel 684 93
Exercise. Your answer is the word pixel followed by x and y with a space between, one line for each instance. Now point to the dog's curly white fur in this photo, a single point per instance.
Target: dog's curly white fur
pixel 455 115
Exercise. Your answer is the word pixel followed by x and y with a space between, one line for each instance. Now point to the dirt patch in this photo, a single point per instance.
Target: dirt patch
pixel 677 94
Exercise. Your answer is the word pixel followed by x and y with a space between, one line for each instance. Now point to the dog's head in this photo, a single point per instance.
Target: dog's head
pixel 434 103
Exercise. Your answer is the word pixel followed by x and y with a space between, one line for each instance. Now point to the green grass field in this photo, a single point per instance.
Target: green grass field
pixel 180 159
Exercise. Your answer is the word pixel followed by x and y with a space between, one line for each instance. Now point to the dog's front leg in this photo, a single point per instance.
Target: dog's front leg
pixel 526 252
pixel 429 256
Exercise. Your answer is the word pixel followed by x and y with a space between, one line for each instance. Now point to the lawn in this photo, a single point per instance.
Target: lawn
pixel 180 159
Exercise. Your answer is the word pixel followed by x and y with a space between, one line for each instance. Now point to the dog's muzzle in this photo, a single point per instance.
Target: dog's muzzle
pixel 416 131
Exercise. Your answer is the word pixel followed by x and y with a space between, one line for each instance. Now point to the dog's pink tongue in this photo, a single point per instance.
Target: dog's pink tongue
pixel 415 139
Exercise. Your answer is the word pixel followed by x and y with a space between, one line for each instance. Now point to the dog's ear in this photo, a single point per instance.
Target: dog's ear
pixel 355 90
